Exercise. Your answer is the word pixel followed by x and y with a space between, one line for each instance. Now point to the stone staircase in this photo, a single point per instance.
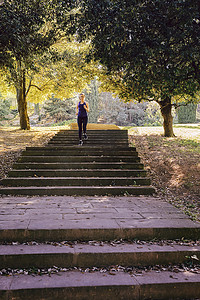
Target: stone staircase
pixel 104 165
pixel 95 245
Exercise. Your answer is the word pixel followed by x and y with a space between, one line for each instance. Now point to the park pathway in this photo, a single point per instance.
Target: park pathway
pixel 86 217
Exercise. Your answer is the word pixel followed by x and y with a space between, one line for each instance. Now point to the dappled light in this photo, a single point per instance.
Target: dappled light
pixel 173 165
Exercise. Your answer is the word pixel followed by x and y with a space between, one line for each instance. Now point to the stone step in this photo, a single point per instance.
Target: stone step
pixel 79 151
pixel 95 132
pixel 43 229
pixel 88 143
pixel 97 286
pixel 103 148
pixel 91 136
pixel 100 139
pixel 67 158
pixel 78 190
pixel 78 173
pixel 85 255
pixel 78 165
pixel 74 181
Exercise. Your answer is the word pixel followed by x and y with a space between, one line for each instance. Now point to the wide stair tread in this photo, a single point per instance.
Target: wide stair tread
pixel 107 277
pixel 89 255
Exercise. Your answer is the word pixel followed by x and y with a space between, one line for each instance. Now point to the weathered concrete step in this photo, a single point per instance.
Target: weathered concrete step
pixel 86 255
pixel 66 151
pixel 90 139
pixel 95 132
pixel 67 158
pixel 74 181
pixel 101 230
pixel 78 165
pixel 103 145
pixel 78 173
pixel 89 142
pixel 85 148
pixel 91 136
pixel 78 190
pixel 97 286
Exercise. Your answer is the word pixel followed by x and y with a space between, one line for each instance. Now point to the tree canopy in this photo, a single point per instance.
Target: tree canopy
pixel 28 30
pixel 151 48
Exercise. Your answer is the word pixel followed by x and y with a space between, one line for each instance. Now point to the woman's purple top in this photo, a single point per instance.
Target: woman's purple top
pixel 81 110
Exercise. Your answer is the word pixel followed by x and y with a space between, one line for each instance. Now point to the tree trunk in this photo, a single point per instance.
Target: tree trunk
pixel 166 111
pixel 21 100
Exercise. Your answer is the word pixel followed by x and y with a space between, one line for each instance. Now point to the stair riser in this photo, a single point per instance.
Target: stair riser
pixel 88 191
pixel 81 152
pixel 88 143
pixel 75 182
pixel 110 291
pixel 95 132
pixel 91 140
pixel 78 173
pixel 88 159
pixel 91 259
pixel 50 166
pixel 90 234
pixel 91 136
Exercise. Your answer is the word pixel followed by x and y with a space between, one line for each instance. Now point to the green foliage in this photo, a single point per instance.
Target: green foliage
pixel 6 112
pixel 150 48
pixel 187 114
pixel 28 30
pixel 92 96
pixel 59 110
pixel 4 109
pixel 113 110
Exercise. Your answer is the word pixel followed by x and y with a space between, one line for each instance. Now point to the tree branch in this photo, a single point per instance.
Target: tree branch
pixel 37 87
pixel 29 86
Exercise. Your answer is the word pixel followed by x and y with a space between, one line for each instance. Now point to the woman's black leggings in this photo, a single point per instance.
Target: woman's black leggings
pixel 82 123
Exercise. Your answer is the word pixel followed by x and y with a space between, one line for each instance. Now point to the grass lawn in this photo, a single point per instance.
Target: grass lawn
pixel 173 164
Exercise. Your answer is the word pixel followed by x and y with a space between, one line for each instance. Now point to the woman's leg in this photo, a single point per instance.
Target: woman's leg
pixel 80 122
pixel 85 120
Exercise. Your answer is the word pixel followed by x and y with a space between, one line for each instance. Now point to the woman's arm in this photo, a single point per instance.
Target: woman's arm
pixel 86 107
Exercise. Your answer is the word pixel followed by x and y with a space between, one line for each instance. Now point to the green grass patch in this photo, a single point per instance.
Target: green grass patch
pixel 187 126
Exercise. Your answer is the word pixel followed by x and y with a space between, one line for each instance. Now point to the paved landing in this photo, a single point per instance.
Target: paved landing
pixel 98 212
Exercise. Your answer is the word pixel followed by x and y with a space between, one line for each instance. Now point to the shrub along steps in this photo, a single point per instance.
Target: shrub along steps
pixel 104 165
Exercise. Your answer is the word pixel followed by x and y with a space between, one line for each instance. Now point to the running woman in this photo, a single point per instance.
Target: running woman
pixel 81 110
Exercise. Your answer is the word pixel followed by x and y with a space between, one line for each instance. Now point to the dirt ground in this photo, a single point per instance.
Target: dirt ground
pixel 13 141
pixel 173 164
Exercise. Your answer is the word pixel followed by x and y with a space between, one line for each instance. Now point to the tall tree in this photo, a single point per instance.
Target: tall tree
pixel 28 29
pixel 151 48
